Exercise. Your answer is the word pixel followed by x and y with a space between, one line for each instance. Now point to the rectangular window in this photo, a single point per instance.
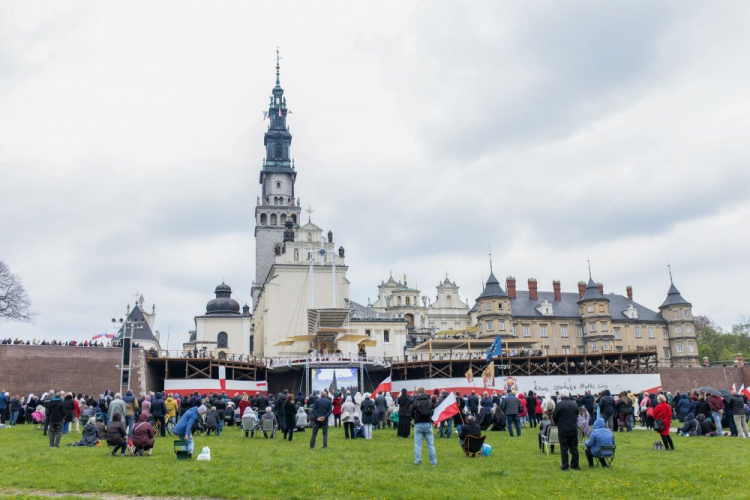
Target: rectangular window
pixel 689 329
pixel 691 347
pixel 605 345
pixel 685 313
pixel 544 330
pixel 489 326
pixel 666 333
pixel 637 332
pixel 564 331
pixel 601 308
pixel 386 336
pixel 252 343
pixel 591 309
pixel 581 350
pixel 500 305
pixel 618 334
pixel 604 326
pixel 368 332
pixel 488 306
pixel 592 327
pixel 580 331
pixel 651 332
pixel 678 329
pixel 667 353
pixel 618 348
pixel 566 349
pixel 594 346
pixel 514 330
pixel 502 325
pixel 526 332
pixel 680 347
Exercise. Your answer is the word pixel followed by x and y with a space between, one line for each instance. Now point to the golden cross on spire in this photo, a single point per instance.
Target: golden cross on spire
pixel 309 213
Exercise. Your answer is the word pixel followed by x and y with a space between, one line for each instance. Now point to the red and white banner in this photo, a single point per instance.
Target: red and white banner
pixel 385 386
pixel 576 384
pixel 743 390
pixel 446 409
pixel 208 385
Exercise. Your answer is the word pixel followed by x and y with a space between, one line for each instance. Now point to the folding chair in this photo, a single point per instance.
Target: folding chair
pixel 473 446
pixel 552 438
pixel 609 449
pixel 268 426
pixel 249 424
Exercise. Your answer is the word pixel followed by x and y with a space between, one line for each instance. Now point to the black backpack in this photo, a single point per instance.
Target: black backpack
pixel 424 407
pixel 659 425
pixel 368 409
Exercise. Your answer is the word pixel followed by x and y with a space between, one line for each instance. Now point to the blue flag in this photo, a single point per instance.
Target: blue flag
pixel 496 349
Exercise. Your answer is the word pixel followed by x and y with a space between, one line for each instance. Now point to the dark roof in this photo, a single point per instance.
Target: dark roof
pixel 523 307
pixel 492 289
pixel 674 298
pixel 592 293
pixel 144 333
pixel 358 312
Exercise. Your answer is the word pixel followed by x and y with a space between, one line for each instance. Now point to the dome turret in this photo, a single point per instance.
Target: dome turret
pixel 223 303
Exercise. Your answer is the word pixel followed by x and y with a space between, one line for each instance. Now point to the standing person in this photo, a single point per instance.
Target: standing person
pixel 473 403
pixel 56 418
pixel 624 409
pixel 404 415
pixel 717 410
pixel 565 417
pixel 15 408
pixel 511 408
pixel 531 404
pixel 347 416
pixel 184 427
pixel 158 411
pixel 588 402
pixel 738 414
pixel 607 408
pixel 447 424
pixel 422 410
pixel 337 402
pixel 358 403
pixel 382 406
pixel 664 412
pixel 131 406
pixel 290 416
pixel 522 411
pixel 116 406
pixel 172 407
pixel 320 412
pixel 69 409
pixel 4 403
pixel 368 415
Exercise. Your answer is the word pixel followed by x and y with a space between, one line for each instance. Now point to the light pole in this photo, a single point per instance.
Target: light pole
pixel 128 332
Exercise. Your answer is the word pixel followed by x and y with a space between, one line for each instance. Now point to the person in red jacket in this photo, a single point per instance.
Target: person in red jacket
pixel 523 413
pixel 664 412
pixel 337 402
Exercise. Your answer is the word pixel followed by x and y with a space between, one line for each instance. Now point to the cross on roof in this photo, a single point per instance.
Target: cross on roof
pixel 309 213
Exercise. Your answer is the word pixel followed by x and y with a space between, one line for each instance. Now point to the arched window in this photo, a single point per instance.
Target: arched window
pixel 449 300
pixel 278 185
pixel 263 219
pixel 222 340
pixel 283 219
pixel 277 152
pixel 309 236
pixel 273 220
pixel 294 218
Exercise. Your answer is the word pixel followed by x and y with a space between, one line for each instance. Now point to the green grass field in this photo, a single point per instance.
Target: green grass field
pixel 380 468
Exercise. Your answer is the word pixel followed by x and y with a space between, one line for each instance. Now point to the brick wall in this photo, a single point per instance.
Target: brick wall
pixel 685 379
pixel 89 370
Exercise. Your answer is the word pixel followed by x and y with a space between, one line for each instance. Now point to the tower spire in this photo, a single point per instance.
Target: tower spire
pixel 278 58
pixel 671 281
pixel 589 263
pixel 490 249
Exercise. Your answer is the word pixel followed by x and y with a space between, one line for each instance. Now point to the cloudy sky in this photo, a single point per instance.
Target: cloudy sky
pixel 131 136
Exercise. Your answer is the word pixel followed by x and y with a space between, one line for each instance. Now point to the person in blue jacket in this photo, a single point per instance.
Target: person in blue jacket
pixel 601 435
pixel 185 425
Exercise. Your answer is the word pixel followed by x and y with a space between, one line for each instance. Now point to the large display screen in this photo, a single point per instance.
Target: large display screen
pixel 335 379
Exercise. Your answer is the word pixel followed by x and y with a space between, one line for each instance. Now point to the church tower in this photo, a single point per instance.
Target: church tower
pixel 277 202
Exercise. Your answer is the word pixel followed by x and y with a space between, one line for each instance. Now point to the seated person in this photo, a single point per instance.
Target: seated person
pixel 690 427
pixel 499 420
pixel 116 435
pixel 708 427
pixel 101 428
pixel 268 415
pixel 143 435
pixel 470 428
pixel 600 435
pixel 484 419
pixel 544 426
pixel 212 421
pixel 90 434
pixel 359 429
pixel 301 419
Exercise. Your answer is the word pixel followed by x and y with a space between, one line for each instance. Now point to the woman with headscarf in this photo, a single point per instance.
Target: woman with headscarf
pixel 548 405
pixel 143 434
pixel 358 403
pixel 404 415
pixel 90 434
pixel 348 413
pixel 583 421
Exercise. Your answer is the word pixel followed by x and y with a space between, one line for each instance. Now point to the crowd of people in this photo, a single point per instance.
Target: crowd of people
pixel 60 343
pixel 131 424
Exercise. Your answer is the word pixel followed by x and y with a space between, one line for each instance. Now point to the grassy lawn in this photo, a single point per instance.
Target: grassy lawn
pixel 381 468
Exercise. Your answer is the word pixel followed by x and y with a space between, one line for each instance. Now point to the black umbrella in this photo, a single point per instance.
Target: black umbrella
pixel 725 393
pixel 709 390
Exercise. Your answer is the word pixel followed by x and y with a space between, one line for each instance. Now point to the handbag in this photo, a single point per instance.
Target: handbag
pixel 659 425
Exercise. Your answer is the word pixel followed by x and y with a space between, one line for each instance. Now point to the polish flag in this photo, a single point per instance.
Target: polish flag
pixel 385 386
pixel 446 409
pixel 734 387
pixel 223 378
pixel 744 391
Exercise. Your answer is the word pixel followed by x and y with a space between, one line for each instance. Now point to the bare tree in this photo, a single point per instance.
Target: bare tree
pixel 15 305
